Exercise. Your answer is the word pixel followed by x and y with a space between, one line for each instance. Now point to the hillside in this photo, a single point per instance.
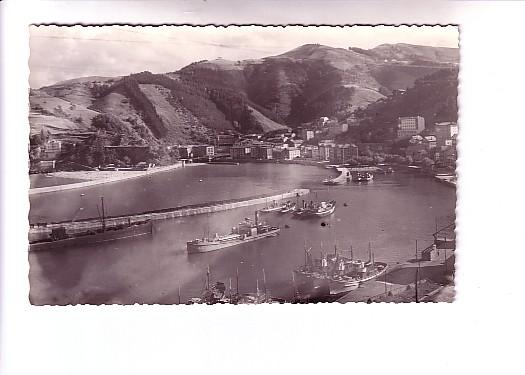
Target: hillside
pixel 434 97
pixel 194 103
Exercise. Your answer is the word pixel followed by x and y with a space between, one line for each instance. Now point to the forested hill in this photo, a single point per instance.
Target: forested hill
pixel 434 97
pixel 194 103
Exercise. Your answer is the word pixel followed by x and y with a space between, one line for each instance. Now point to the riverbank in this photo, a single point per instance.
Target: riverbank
pixel 92 178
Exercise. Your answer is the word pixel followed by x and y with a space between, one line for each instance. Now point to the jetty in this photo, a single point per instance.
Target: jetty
pixel 40 230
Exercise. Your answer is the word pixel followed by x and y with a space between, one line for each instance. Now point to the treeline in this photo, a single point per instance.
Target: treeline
pixel 434 97
pixel 129 86
pixel 321 94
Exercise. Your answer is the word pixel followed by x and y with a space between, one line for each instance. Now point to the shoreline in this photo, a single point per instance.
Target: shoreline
pixel 93 178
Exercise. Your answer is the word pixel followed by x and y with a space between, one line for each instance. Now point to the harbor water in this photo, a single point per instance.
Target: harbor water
pixel 391 213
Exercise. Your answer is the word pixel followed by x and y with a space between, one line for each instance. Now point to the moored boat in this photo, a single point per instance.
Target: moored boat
pixel 363 177
pixel 288 207
pixel 318 209
pixel 246 231
pixel 334 274
pixel 273 207
pixel 60 237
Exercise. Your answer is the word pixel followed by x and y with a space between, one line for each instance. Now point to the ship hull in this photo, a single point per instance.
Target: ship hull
pixel 333 286
pixel 107 236
pixel 194 248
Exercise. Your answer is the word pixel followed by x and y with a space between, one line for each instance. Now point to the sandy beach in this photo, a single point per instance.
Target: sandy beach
pixel 91 178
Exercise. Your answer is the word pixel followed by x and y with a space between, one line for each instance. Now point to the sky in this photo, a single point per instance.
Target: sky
pixel 62 53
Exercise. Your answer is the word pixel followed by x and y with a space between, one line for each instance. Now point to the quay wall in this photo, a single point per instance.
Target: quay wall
pixel 39 231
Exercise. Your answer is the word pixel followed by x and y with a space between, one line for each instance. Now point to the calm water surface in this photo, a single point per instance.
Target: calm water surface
pixel 391 212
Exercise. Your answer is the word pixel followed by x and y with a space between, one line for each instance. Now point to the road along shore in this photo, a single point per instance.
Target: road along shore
pixel 103 177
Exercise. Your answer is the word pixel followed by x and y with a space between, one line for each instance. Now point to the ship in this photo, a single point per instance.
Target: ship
pixel 334 274
pixel 274 206
pixel 246 231
pixel 218 293
pixel 60 238
pixel 318 209
pixel 331 181
pixel 288 207
pixel 363 177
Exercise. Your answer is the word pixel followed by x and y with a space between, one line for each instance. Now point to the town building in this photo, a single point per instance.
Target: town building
pixel 261 152
pixel 310 152
pixel 291 153
pixel 408 126
pixel 241 152
pixel 223 143
pixel 307 134
pixel 445 131
pixel 51 149
pixel 343 153
pixel 203 151
pixel 196 151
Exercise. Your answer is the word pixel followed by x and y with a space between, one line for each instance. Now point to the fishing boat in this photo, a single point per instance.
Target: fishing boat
pixel 246 231
pixel 324 209
pixel 273 207
pixel 288 207
pixel 334 274
pixel 331 181
pixel 218 293
pixel 65 236
pixel 363 177
pixel 318 209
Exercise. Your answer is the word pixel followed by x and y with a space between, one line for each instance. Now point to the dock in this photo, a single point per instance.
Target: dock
pixel 398 285
pixel 40 230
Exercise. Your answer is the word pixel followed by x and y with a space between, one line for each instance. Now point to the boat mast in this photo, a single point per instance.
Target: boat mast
pixel 295 293
pixel 237 280
pixel 103 214
pixel 264 284
pixel 208 278
pixel 351 252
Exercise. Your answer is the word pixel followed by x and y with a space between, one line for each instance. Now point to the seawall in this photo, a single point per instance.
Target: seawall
pixel 43 230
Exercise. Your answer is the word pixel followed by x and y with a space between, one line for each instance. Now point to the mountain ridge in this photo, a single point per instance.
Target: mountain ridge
pixel 254 95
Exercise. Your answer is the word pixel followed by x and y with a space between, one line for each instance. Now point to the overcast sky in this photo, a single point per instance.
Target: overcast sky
pixel 61 53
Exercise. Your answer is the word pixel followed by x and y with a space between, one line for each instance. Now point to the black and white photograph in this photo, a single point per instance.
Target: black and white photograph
pixel 242 164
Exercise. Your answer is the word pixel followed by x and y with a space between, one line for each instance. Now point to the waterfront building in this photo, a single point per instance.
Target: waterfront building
pixel 241 152
pixel 196 151
pixel 261 152
pixel 203 150
pixel 223 143
pixel 343 153
pixel 408 126
pixel 291 153
pixel 310 152
pixel 366 147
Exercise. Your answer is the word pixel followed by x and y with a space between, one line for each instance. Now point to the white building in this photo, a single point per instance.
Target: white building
pixel 409 126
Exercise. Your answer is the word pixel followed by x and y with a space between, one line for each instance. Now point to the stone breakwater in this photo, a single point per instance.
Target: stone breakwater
pixel 39 231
